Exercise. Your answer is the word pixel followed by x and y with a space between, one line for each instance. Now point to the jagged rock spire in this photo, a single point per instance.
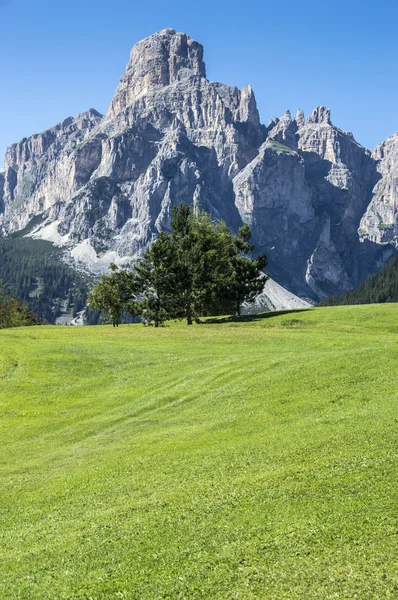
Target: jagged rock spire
pixel 300 118
pixel 320 114
pixel 287 116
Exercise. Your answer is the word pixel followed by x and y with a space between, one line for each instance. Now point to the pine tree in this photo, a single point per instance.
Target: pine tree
pixel 198 269
pixel 249 280
pixel 13 312
pixel 202 261
pixel 154 283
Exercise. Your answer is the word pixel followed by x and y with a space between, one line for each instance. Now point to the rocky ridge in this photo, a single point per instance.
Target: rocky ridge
pixel 104 186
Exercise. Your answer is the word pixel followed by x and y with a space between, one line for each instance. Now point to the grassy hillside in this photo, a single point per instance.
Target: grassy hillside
pixel 222 461
pixel 380 287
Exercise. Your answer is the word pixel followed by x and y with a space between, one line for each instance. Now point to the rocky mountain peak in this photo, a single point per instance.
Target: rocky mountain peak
pixel 283 130
pixel 387 149
pixel 319 115
pixel 105 187
pixel 157 61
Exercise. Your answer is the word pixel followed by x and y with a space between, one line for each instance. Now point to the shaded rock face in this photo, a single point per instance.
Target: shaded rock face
pixel 105 186
pixel 305 204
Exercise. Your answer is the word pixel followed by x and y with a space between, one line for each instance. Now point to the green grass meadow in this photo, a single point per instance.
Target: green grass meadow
pixel 229 460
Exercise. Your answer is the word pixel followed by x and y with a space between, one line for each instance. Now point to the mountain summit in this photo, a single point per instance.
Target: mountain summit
pixel 156 62
pixel 319 204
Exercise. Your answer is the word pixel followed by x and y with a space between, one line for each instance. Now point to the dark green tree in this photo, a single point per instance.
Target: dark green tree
pixel 154 283
pixel 248 280
pixel 202 262
pixel 198 269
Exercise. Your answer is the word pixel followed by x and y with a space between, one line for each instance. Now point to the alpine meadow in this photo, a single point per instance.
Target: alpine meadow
pixel 249 458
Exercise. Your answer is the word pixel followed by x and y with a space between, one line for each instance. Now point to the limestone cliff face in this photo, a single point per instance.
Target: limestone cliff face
pixel 1 193
pixel 105 186
pixel 155 63
pixel 48 168
pixel 380 221
pixel 305 204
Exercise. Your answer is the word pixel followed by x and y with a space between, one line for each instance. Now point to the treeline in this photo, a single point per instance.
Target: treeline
pixel 379 288
pixel 34 269
pixel 13 312
pixel 198 269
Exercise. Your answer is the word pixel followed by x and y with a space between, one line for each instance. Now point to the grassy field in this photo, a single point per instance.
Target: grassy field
pixel 223 461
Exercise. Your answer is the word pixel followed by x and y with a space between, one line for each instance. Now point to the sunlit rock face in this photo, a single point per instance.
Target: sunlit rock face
pixel 319 204
pixel 157 62
pixel 380 221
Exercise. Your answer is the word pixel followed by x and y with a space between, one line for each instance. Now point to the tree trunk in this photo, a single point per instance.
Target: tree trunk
pixel 238 309
pixel 189 315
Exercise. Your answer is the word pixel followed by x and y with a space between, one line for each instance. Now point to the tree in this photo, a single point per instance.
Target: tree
pixel 248 280
pixel 155 283
pixel 198 269
pixel 13 312
pixel 202 253
pixel 215 272
pixel 111 293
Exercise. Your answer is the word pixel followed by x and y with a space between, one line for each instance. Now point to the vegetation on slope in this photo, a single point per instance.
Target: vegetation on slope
pixel 39 276
pixel 252 459
pixel 13 312
pixel 379 288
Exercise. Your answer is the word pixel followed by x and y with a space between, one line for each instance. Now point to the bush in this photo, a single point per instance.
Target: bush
pixel 13 312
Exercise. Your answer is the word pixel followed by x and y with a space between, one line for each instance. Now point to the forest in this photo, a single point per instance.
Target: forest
pixel 379 288
pixel 37 274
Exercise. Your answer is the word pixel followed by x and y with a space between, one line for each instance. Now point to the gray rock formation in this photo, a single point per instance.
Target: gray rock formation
pixel 105 186
pixel 380 221
pixel 155 63
pixel 274 297
pixel 1 193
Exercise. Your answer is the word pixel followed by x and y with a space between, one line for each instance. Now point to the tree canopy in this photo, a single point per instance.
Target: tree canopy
pixel 200 268
pixel 13 312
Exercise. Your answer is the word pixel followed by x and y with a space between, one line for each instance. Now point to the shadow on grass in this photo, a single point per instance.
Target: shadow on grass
pixel 251 318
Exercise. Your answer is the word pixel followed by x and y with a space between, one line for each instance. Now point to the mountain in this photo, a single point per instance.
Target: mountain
pixel 379 288
pixel 320 205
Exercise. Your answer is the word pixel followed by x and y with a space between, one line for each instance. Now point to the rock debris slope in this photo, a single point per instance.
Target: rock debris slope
pixel 104 186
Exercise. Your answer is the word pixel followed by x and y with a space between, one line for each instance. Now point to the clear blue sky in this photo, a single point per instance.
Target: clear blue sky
pixel 61 57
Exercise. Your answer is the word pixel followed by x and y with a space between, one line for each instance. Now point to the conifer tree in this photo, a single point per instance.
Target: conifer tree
pixel 198 269
pixel 155 283
pixel 248 280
